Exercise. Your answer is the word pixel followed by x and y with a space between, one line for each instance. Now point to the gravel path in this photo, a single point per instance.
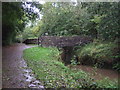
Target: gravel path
pixel 15 73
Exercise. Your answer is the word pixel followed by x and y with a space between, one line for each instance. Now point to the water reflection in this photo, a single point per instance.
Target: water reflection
pixel 30 77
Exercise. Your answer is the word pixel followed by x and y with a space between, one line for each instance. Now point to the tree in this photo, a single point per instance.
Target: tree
pixel 32 31
pixel 105 16
pixel 96 19
pixel 64 19
pixel 14 18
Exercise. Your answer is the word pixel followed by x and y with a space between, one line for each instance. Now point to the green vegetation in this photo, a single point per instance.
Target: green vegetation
pixel 46 64
pixel 31 32
pixel 15 16
pixel 116 66
pixel 96 19
pixel 97 52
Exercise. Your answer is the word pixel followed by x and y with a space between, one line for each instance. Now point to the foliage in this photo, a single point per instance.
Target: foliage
pixel 74 61
pixel 116 66
pixel 96 19
pixel 30 32
pixel 97 52
pixel 54 74
pixel 14 18
pixel 63 19
pixel 106 83
pixel 11 20
pixel 105 16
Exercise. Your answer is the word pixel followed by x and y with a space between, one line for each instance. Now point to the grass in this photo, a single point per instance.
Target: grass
pixel 54 74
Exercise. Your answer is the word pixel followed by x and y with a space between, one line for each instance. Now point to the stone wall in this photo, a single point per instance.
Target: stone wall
pixel 59 41
pixel 63 41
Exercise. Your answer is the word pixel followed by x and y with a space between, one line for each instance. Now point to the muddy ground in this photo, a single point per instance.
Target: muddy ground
pixel 15 73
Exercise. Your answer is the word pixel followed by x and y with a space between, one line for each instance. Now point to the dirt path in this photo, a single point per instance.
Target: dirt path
pixel 15 73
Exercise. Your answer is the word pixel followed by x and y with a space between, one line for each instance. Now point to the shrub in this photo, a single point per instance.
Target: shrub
pixel 97 53
pixel 116 66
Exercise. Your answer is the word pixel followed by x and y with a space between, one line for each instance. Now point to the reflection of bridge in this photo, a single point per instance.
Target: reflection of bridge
pixel 66 43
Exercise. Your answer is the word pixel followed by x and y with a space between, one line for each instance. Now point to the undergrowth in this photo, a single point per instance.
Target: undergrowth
pixel 97 53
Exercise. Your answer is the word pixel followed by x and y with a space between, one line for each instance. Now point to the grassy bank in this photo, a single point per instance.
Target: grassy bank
pixel 54 74
pixel 100 54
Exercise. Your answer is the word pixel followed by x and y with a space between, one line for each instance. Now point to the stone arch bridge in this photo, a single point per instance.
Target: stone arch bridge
pixel 66 43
